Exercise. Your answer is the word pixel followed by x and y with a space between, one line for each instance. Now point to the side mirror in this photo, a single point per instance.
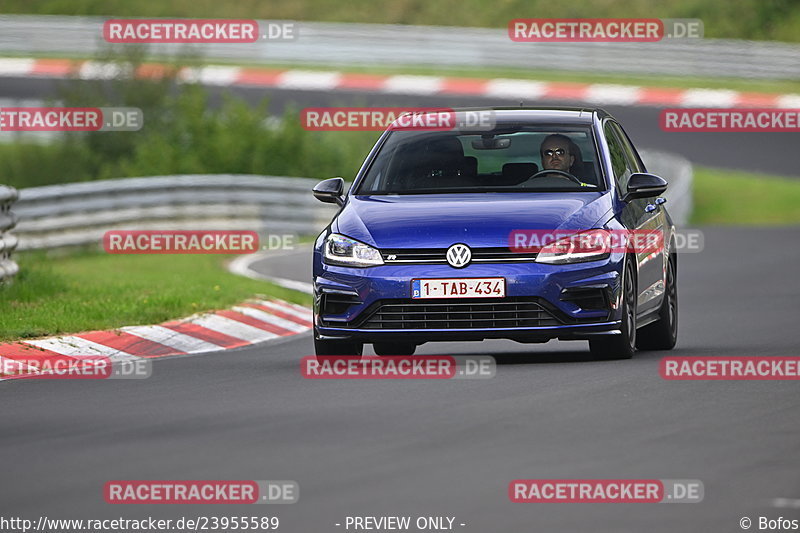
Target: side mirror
pixel 642 185
pixel 329 191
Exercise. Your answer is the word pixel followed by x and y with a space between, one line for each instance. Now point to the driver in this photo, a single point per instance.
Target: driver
pixel 557 153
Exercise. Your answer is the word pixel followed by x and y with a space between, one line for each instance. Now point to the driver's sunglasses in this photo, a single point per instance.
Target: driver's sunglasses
pixel 559 152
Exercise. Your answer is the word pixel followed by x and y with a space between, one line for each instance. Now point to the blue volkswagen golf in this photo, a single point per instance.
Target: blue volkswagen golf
pixel 432 240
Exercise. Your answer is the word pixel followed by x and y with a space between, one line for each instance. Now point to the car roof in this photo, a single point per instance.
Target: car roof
pixel 542 115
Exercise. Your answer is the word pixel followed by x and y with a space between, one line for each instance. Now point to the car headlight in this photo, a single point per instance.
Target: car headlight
pixel 589 245
pixel 341 250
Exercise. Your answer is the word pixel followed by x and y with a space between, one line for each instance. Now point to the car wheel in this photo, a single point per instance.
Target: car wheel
pixel 663 334
pixel 394 348
pixel 620 346
pixel 324 347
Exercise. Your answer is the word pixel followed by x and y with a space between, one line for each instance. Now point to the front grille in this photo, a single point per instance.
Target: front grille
pixel 447 314
pixel 438 256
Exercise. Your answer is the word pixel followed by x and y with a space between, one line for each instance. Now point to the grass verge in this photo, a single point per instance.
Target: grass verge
pixel 727 197
pixel 56 294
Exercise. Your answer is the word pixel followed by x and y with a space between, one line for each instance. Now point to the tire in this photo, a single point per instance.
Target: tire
pixel 663 334
pixel 620 346
pixel 337 347
pixel 394 348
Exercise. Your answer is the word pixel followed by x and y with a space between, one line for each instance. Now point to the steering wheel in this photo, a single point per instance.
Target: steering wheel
pixel 561 174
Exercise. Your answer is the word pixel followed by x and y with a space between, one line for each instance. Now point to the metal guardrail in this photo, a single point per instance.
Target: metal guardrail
pixel 8 242
pixel 439 46
pixel 80 213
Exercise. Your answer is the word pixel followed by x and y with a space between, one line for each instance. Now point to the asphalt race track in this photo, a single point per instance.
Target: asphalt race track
pixel 444 448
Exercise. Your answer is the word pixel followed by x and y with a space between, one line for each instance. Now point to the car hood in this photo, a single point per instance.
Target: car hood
pixel 478 220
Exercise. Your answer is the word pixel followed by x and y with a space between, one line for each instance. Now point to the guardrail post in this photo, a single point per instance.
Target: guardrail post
pixel 8 268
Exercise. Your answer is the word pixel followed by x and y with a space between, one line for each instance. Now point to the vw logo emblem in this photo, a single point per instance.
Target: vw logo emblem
pixel 459 255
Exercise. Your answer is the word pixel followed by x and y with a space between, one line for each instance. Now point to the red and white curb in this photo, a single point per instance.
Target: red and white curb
pixel 251 322
pixel 593 93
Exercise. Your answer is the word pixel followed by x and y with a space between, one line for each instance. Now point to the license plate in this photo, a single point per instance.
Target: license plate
pixel 458 288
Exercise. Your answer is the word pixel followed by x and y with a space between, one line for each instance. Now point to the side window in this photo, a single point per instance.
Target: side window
pixel 619 163
pixel 633 158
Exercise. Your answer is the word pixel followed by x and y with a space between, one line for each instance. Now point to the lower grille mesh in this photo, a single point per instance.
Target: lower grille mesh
pixel 438 314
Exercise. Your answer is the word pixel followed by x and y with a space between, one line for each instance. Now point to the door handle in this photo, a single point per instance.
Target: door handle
pixel 649 208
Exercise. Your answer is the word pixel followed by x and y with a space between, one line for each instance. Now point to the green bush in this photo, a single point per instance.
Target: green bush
pixel 183 133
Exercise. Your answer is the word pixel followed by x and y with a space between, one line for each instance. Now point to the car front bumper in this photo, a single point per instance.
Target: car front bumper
pixel 577 301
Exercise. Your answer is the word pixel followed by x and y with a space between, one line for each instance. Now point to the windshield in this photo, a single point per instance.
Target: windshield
pixel 516 159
